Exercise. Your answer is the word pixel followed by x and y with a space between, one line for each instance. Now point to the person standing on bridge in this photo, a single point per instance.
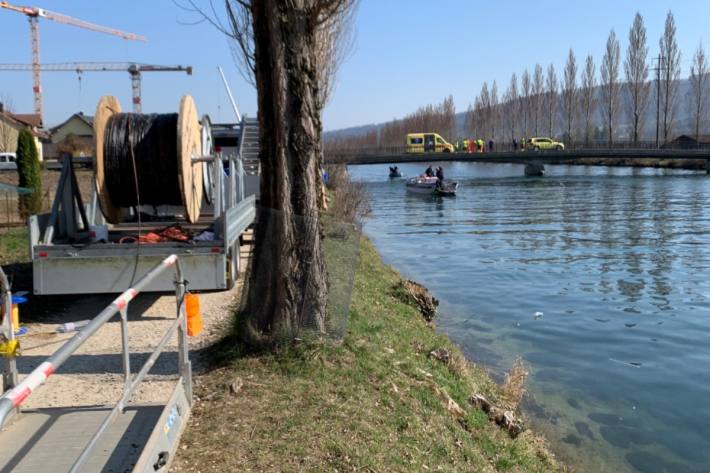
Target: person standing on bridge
pixel 515 144
pixel 490 145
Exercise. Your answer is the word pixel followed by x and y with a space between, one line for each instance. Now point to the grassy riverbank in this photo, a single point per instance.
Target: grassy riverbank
pixel 376 402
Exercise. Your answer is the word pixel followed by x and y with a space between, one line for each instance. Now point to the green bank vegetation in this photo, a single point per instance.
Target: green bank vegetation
pixel 378 401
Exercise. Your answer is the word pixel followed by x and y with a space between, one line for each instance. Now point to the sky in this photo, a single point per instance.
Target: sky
pixel 407 53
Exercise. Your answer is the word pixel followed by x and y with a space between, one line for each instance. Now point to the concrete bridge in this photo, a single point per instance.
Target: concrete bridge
pixel 535 160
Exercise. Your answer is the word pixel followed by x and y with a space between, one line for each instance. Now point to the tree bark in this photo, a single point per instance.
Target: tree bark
pixel 288 284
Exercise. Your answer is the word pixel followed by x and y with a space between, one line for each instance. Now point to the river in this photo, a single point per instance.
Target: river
pixel 599 278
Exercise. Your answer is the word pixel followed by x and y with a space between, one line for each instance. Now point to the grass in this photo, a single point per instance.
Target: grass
pixel 13 246
pixel 375 402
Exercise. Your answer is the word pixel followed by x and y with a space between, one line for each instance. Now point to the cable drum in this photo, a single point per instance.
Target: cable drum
pixel 149 141
pixel 160 146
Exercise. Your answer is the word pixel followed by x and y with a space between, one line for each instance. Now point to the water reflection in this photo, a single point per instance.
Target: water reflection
pixel 613 257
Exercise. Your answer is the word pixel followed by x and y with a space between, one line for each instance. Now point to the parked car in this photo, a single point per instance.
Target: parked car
pixel 538 144
pixel 428 143
pixel 8 162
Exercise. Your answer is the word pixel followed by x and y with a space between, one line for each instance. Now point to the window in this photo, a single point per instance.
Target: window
pixel 416 141
pixel 3 159
pixel 439 141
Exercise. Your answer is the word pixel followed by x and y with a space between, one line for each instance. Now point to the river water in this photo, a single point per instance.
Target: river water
pixel 616 260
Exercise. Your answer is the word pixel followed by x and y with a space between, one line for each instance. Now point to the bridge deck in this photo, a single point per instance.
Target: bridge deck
pixel 522 157
pixel 57 437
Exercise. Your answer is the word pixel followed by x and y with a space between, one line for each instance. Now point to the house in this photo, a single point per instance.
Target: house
pixel 12 123
pixel 689 142
pixel 74 136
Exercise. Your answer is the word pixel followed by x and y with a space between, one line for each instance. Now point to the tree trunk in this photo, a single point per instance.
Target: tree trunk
pixel 288 286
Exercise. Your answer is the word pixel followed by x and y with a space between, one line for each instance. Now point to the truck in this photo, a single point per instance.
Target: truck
pixel 75 251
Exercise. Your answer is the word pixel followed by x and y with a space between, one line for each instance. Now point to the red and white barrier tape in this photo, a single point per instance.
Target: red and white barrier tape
pixel 34 380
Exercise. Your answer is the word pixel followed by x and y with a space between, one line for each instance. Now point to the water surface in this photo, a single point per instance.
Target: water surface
pixel 617 262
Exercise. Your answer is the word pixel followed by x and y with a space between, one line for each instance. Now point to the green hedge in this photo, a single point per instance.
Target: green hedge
pixel 29 169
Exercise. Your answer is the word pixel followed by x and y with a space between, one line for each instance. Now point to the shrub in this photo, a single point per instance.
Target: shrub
pixel 350 202
pixel 28 168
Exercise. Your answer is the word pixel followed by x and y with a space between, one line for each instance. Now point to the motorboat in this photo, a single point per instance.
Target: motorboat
pixel 430 185
pixel 395 173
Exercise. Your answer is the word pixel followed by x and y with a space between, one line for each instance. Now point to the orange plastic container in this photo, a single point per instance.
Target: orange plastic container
pixel 192 310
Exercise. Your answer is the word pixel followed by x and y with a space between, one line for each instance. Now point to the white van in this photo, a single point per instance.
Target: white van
pixel 7 162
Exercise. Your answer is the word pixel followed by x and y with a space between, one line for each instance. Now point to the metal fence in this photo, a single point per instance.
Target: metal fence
pixel 13 399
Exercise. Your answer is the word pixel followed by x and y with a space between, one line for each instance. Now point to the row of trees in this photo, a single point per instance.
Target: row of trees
pixel 541 104
pixel 433 117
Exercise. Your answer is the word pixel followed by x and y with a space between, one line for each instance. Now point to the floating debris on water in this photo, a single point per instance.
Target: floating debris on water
pixel 635 364
pixel 537 315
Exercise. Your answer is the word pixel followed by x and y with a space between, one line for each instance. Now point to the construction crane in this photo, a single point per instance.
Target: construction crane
pixel 133 69
pixel 34 14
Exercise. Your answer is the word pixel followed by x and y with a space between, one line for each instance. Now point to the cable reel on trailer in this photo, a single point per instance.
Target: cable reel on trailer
pixel 147 159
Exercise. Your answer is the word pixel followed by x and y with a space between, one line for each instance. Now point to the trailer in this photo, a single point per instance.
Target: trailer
pixel 75 251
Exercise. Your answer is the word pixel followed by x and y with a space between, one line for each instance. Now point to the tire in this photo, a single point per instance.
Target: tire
pixel 447 150
pixel 536 148
pixel 559 148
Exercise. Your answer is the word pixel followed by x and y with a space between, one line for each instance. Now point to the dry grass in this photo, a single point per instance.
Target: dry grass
pixel 514 385
pixel 351 201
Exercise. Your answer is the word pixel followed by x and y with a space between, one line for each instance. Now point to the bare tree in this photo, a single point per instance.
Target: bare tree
pixel 636 69
pixel 278 46
pixel 698 88
pixel 525 102
pixel 512 101
pixel 538 88
pixel 335 40
pixel 670 73
pixel 485 103
pixel 551 98
pixel 589 84
pixel 569 94
pixel 8 135
pixel 610 82
pixel 495 111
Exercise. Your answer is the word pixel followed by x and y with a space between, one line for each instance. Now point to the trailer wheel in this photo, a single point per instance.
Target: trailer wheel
pixel 233 265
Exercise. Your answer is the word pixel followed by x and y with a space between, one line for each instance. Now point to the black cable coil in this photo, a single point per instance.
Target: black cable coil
pixel 149 141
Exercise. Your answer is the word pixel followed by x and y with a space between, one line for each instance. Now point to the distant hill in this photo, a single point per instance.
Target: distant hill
pixel 684 122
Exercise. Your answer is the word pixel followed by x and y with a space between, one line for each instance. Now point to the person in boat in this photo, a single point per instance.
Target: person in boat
pixel 439 177
pixel 429 172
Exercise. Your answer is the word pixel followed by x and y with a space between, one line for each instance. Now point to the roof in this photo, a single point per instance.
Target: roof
pixel 20 121
pixel 89 120
pixel 29 119
pixel 701 138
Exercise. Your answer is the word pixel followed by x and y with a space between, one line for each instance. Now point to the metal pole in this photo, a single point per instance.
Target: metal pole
pixel 229 93
pixel 126 355
pixel 39 375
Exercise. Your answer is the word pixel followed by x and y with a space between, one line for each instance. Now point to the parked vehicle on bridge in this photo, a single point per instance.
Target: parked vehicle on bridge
pixel 428 143
pixel 538 144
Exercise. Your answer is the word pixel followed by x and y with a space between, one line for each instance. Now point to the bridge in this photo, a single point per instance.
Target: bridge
pixel 691 158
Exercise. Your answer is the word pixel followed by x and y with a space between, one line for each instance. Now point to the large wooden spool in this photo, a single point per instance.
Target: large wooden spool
pixel 189 146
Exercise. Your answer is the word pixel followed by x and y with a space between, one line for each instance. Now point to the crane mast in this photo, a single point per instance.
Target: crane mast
pixel 33 14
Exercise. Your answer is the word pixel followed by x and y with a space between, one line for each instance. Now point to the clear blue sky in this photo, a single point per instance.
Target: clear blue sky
pixel 407 52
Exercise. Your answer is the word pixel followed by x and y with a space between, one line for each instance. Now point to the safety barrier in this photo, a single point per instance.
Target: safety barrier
pixel 13 399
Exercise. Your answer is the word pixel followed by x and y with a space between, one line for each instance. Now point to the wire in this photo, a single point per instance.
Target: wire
pixel 140 152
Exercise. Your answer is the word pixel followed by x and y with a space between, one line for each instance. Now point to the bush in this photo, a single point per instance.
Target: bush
pixel 28 168
pixel 350 202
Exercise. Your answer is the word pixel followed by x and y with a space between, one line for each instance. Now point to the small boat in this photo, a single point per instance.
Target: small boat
pixel 395 174
pixel 429 185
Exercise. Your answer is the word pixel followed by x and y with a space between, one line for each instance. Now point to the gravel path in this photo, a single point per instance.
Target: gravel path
pixel 94 374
